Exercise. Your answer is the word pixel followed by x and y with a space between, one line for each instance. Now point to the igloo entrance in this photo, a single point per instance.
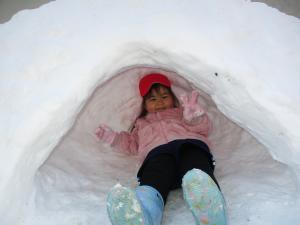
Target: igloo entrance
pixel 72 184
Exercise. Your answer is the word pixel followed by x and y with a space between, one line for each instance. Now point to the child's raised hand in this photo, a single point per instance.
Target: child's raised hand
pixel 191 108
pixel 105 133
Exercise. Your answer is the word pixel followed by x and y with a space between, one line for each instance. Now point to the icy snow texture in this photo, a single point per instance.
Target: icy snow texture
pixel 70 65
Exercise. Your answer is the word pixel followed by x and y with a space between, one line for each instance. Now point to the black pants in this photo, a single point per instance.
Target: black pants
pixel 163 173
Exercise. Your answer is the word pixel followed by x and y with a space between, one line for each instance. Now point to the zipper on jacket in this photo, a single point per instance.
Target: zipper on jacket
pixel 161 127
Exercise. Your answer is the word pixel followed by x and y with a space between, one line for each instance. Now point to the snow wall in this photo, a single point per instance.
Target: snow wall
pixel 54 61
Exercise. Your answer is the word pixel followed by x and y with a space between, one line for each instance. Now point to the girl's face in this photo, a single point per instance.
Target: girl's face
pixel 159 100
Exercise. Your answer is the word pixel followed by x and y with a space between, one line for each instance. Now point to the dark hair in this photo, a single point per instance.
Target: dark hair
pixel 156 88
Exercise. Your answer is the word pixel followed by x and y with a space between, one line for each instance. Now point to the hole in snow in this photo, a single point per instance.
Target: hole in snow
pixel 72 184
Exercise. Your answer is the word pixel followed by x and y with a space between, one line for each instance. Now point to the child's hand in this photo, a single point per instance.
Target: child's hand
pixel 191 108
pixel 105 134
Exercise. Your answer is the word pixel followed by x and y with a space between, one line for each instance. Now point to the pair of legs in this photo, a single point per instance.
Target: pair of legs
pixel 163 173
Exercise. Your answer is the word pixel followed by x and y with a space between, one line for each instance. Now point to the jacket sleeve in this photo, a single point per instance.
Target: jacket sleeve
pixel 126 142
pixel 202 125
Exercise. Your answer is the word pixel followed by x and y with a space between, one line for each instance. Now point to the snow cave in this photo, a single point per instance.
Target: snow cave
pixel 62 76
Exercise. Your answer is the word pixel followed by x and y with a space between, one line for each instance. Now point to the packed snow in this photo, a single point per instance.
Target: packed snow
pixel 70 65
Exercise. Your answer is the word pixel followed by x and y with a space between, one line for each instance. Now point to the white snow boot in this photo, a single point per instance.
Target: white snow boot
pixel 141 207
pixel 204 198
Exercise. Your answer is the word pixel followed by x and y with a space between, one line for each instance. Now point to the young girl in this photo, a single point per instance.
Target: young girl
pixel 171 141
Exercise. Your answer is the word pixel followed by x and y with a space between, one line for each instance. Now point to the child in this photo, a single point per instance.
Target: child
pixel 171 142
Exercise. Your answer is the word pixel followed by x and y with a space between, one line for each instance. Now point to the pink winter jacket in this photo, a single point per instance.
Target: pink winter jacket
pixel 160 128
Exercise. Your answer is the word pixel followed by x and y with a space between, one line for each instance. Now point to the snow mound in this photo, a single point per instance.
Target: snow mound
pixel 61 76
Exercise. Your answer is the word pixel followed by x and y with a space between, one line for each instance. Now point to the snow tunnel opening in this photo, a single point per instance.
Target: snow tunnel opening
pixel 80 170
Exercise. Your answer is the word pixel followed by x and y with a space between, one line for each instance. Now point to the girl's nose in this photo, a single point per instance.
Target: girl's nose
pixel 160 101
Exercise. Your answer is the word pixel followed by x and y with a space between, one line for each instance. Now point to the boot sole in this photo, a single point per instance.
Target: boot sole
pixel 123 207
pixel 204 199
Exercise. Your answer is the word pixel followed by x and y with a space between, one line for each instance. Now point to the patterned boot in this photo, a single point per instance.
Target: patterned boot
pixel 204 199
pixel 141 207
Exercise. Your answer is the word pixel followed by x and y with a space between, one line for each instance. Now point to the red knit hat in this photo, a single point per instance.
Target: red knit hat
pixel 153 78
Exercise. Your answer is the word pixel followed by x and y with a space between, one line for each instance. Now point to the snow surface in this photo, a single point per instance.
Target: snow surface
pixel 70 65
